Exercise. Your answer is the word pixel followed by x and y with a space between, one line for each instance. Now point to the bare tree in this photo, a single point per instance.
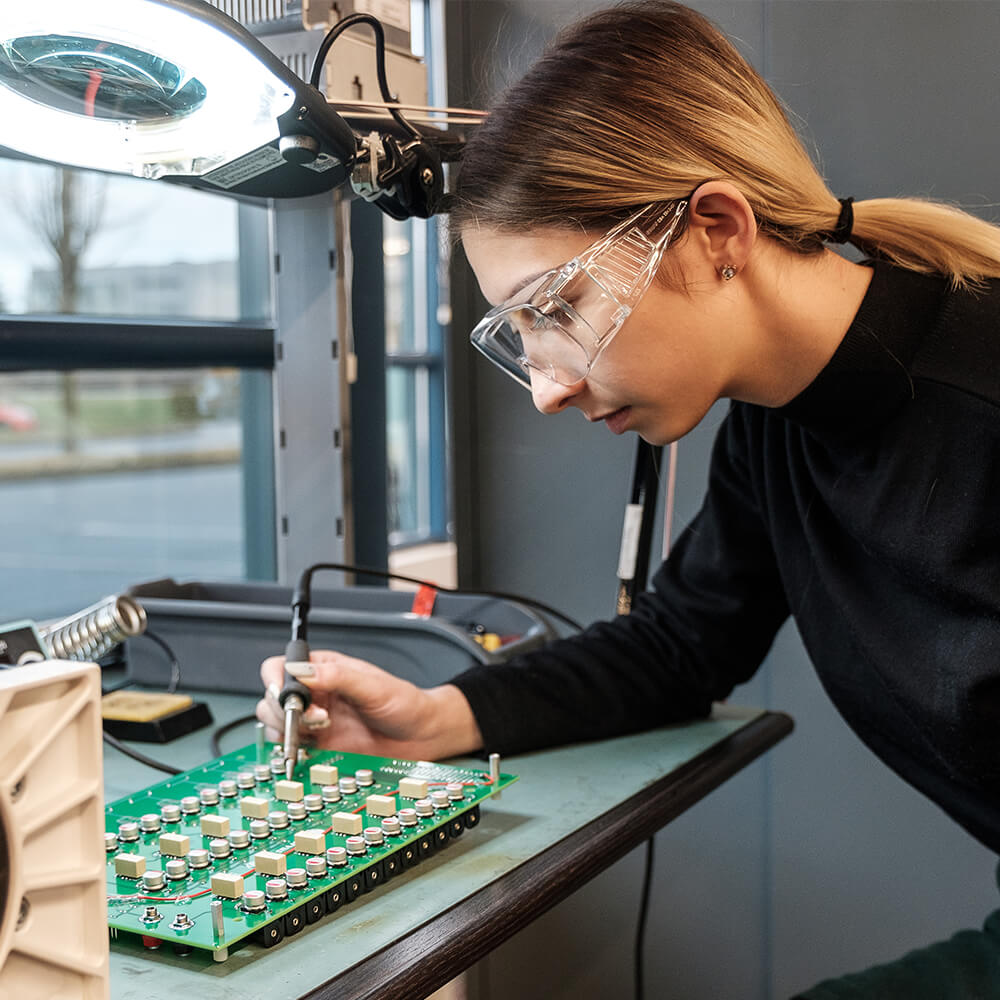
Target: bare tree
pixel 66 215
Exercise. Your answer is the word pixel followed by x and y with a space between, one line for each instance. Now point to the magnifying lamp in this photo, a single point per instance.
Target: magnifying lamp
pixel 176 90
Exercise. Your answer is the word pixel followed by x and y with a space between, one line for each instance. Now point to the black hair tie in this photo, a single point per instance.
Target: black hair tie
pixel 845 222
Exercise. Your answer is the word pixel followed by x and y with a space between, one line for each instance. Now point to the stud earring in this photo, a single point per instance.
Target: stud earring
pixel 728 272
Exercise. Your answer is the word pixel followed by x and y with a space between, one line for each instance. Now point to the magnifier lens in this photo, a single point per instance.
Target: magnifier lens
pixel 98 79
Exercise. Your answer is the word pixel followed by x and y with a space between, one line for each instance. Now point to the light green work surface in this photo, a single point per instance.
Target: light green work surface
pixel 560 791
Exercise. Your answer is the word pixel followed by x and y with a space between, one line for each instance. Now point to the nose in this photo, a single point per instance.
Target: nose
pixel 549 396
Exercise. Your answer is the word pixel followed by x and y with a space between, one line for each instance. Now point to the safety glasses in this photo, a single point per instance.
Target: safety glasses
pixel 559 325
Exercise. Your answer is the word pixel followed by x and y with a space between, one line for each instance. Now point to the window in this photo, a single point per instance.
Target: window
pixel 136 338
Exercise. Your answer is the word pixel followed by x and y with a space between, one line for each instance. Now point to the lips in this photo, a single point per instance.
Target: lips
pixel 617 422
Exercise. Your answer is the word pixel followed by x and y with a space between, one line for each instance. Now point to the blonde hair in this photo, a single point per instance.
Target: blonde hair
pixel 645 101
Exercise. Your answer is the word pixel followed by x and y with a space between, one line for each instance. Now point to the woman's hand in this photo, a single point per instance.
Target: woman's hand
pixel 360 708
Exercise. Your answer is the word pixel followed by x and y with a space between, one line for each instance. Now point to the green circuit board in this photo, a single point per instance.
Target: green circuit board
pixel 230 850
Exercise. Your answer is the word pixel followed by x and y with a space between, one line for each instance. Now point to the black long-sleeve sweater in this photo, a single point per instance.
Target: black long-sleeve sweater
pixel 868 508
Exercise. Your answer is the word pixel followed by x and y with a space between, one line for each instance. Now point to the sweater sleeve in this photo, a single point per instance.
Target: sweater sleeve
pixel 704 626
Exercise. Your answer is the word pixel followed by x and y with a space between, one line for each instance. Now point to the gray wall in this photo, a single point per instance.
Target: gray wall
pixel 817 860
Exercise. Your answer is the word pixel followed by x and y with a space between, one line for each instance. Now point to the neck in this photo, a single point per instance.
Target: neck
pixel 799 308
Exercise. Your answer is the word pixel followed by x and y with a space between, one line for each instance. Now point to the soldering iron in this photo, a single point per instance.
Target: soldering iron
pixel 295 697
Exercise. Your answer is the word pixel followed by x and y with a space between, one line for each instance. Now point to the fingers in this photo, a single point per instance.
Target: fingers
pixel 357 682
pixel 270 712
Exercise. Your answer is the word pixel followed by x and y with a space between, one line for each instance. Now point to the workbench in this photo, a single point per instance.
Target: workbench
pixel 574 812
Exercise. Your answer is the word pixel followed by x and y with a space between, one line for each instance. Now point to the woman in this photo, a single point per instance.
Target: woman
pixel 654 238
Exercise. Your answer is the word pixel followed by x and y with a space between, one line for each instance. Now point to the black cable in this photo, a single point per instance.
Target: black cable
pixel 141 757
pixel 175 667
pixel 221 731
pixel 383 83
pixel 640 932
pixel 387 575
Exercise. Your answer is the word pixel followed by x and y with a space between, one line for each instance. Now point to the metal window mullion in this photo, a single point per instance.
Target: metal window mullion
pixel 307 399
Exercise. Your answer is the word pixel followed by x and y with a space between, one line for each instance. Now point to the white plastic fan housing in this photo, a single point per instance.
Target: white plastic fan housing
pixel 53 903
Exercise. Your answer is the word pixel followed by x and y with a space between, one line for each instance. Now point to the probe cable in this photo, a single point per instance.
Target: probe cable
pixel 465 592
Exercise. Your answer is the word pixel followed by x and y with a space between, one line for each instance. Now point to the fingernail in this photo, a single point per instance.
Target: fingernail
pixel 301 668
pixel 273 691
pixel 320 722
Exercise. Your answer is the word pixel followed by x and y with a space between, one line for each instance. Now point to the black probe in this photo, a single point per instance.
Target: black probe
pixel 295 697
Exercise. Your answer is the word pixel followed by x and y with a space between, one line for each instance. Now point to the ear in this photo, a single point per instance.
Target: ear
pixel 721 224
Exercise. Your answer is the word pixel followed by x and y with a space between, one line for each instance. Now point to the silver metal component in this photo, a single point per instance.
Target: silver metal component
pixel 153 880
pixel 296 810
pixel 425 114
pixel 151 915
pixel 278 819
pixel 176 868
pixel 92 632
pixel 276 888
pixel 246 779
pixel 313 802
pixel 336 856
pixel 227 788
pixel 315 867
pixel 190 804
pixel 149 823
pixel 239 839
pixel 294 706
pixel 298 148
pixel 424 807
pixel 209 796
pixel 355 845
pixel 218 924
pixel 278 766
pixel 439 799
pixel 181 922
pixel 199 858
pixel 408 817
pixel 127 832
pixel 262 773
pixel 296 878
pixel 219 848
pixel 364 777
pixel 254 901
pixel 455 790
pixel 373 835
pixel 348 785
pixel 170 813
pixel 111 842
pixel 260 739
pixel 495 772
pixel 368 163
pixel 391 826
pixel 330 793
pixel 259 829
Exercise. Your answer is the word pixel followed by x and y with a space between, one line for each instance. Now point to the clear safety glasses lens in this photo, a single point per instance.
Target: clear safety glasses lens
pixel 561 323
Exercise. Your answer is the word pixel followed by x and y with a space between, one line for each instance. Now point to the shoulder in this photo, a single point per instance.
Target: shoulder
pixel 962 351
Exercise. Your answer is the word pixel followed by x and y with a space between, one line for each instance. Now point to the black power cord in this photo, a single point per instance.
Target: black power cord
pixel 640 932
pixel 141 757
pixel 388 575
pixel 383 83
pixel 216 738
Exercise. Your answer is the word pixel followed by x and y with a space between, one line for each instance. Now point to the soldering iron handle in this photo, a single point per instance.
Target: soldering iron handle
pixel 297 651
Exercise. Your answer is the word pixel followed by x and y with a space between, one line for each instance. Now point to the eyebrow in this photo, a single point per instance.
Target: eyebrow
pixel 524 284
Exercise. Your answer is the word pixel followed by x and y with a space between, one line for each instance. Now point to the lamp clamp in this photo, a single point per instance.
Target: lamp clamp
pixel 404 178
